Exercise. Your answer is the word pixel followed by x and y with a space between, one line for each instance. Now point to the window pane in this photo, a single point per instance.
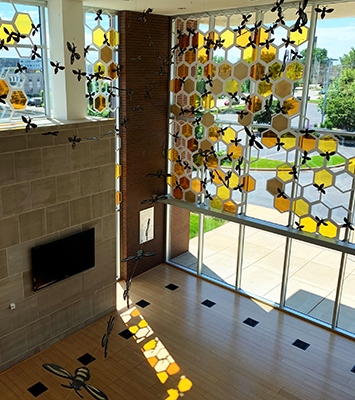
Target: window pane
pixel 263 261
pixel 347 305
pixel 21 67
pixel 332 86
pixel 312 280
pixel 184 237
pixel 220 249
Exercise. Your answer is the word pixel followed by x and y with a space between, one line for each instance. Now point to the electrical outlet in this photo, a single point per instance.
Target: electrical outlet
pixel 12 306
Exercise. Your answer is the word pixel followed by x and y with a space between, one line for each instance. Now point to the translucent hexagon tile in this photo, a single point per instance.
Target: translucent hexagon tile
pixel 103 40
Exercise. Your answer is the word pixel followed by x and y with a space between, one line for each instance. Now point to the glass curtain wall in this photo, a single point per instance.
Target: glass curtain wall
pixel 300 111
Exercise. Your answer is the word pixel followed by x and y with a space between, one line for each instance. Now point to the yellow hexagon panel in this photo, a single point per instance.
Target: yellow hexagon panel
pixel 236 150
pixel 269 139
pixel 100 103
pixel 173 369
pixel 106 54
pixel 249 183
pixel 217 179
pixel 329 231
pixel 275 71
pixel 118 198
pixel 291 106
pixel 351 166
pixel 190 56
pixel 184 384
pixel 192 145
pixel 208 102
pixel 196 185
pixel 212 161
pixel 4 36
pixel 309 224
pixel 118 171
pixel 294 71
pixel 182 71
pixel 101 67
pixel 323 176
pixel 279 123
pixel 172 181
pixel 229 206
pixel 224 71
pixel 231 86
pixel 327 144
pixel 112 37
pixel 98 36
pixel 307 142
pixel 283 88
pixel 205 145
pixel 216 203
pixel 265 88
pixel 175 110
pixel 250 55
pixel 243 39
pixel 173 155
pixel 283 172
pixel 289 140
pixel 300 207
pixel 256 104
pixel 186 130
pixel 175 85
pixel 228 37
pixel 112 71
pixel 202 57
pixel 207 119
pixel 178 194
pixel 223 193
pixel 178 169
pixel 229 134
pixel 23 24
pixel 4 89
pixel 152 361
pixel 268 55
pixel 213 133
pixel 298 37
pixel 282 204
pixel 233 180
pixel 162 376
pixel 241 71
pixel 18 100
pixel 257 71
pixel 209 69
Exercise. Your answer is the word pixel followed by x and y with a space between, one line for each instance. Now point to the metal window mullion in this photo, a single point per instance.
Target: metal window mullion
pixel 45 62
pixel 201 240
pixel 343 262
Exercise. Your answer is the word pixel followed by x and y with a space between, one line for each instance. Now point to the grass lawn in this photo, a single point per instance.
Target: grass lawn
pixel 316 161
pixel 210 224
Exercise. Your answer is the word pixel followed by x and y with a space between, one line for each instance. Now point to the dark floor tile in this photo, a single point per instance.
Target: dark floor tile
pixel 301 344
pixel 126 334
pixel 86 359
pixel 251 322
pixel 142 303
pixel 208 303
pixel 171 286
pixel 37 389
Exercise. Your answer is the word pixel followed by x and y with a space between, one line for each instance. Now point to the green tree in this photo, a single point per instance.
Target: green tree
pixel 348 60
pixel 319 64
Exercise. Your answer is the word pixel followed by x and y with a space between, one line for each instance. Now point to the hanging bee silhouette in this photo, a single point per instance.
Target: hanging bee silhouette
pixel 98 15
pixel 159 174
pixel 278 6
pixel 271 29
pixel 51 133
pixel 74 140
pixel 144 15
pixel 16 36
pixel 34 53
pixel 3 46
pixel 154 199
pixel 57 67
pixel 74 55
pixel 252 140
pixel 323 11
pixel 2 98
pixel 320 221
pixel 106 40
pixel 35 28
pixel 347 224
pixel 81 375
pixel 86 50
pixel 105 338
pixel 20 69
pixel 29 123
pixel 79 74
pixel 305 157
pixel 299 227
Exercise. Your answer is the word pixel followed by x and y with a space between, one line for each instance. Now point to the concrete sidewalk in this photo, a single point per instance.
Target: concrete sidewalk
pixel 313 270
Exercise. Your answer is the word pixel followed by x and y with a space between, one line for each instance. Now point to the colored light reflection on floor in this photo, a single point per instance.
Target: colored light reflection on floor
pixel 155 352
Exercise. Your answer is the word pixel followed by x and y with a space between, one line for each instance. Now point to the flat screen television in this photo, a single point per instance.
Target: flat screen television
pixel 62 258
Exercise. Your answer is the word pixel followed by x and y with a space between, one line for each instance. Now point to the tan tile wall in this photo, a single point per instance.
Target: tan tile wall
pixel 48 191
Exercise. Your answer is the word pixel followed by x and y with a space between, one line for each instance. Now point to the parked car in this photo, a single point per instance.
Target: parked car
pixel 35 101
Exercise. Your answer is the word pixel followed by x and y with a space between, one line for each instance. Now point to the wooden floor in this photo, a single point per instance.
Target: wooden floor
pixel 224 358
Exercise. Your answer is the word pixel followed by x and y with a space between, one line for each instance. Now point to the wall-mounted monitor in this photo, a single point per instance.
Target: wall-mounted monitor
pixel 62 258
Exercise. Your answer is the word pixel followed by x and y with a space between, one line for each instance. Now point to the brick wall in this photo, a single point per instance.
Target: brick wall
pixel 145 140
pixel 48 191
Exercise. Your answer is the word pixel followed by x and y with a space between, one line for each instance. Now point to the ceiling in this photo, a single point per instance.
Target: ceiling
pixel 173 7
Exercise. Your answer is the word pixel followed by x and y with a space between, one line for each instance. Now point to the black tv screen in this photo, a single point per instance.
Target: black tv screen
pixel 58 260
